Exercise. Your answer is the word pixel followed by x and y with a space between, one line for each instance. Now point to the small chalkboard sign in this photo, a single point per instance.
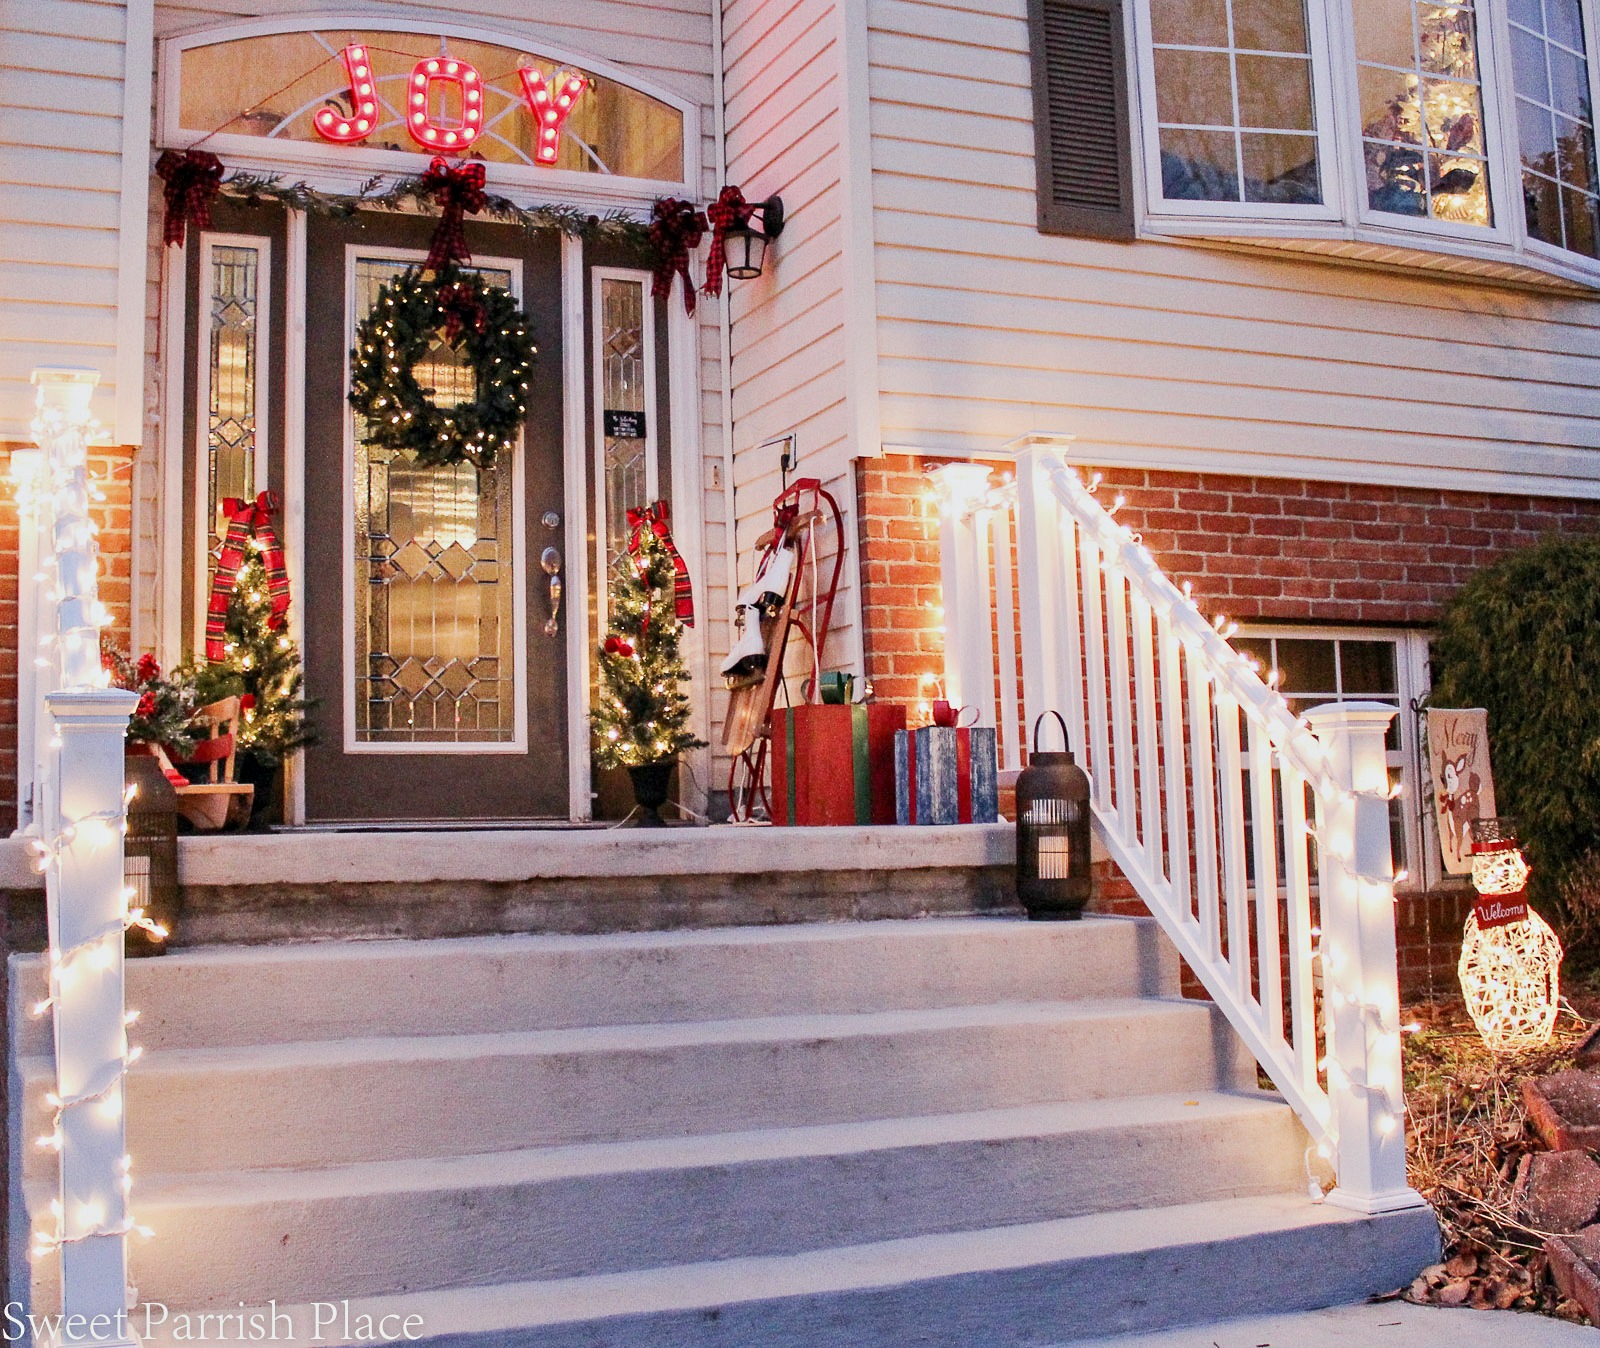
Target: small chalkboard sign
pixel 624 425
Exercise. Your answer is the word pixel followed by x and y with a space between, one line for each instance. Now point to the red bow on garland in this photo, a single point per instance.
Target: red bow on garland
pixel 655 518
pixel 192 179
pixel 459 193
pixel 676 228
pixel 246 520
pixel 729 211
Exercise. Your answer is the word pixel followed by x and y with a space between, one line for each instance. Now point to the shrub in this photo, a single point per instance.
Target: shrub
pixel 1522 638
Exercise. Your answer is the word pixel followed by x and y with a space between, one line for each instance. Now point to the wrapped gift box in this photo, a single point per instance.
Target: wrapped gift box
pixel 834 764
pixel 946 775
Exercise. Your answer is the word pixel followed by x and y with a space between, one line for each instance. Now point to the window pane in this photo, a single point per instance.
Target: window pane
pixel 1556 124
pixel 1192 23
pixel 1268 25
pixel 1367 668
pixel 233 287
pixel 1275 92
pixel 1307 667
pixel 1194 87
pixel 1280 168
pixel 1403 50
pixel 624 381
pixel 1383 32
pixel 1236 92
pixel 1198 165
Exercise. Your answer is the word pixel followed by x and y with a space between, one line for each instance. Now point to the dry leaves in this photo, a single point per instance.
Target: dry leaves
pixel 1466 1132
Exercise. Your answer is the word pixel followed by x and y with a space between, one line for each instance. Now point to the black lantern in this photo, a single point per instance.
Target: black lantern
pixel 745 246
pixel 1053 879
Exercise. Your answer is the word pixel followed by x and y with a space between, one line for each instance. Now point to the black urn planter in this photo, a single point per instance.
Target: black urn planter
pixel 262 772
pixel 651 784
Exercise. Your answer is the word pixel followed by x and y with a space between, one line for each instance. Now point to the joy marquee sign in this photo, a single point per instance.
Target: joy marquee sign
pixel 550 102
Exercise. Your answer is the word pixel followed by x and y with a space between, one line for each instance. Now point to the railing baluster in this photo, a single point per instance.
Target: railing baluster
pixel 1149 761
pixel 1203 783
pixel 1297 881
pixel 1094 640
pixel 1235 881
pixel 1006 641
pixel 1178 823
pixel 1047 592
pixel 1269 937
pixel 1121 691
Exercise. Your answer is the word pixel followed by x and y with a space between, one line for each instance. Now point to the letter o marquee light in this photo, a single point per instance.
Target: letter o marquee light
pixel 419 122
pixel 342 130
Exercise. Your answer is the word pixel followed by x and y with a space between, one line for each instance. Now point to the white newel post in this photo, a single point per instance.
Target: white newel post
pixel 964 564
pixel 80 845
pixel 1360 984
pixel 29 485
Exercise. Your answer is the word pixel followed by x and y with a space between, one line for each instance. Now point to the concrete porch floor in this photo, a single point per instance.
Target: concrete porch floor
pixel 318 885
pixel 1389 1324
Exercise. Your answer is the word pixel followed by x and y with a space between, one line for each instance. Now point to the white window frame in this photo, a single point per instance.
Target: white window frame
pixel 1322 108
pixel 652 463
pixel 1345 215
pixel 204 518
pixel 1421 864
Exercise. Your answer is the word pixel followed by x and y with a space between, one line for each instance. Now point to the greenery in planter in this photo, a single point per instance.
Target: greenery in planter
pixel 1522 638
pixel 641 713
pixel 165 702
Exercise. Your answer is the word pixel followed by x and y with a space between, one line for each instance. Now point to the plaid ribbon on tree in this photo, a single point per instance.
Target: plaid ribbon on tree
pixel 246 520
pixel 729 211
pixel 192 179
pixel 676 228
pixel 459 193
pixel 656 518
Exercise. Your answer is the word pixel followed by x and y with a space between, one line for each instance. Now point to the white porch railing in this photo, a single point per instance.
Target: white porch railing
pixel 1213 799
pixel 78 812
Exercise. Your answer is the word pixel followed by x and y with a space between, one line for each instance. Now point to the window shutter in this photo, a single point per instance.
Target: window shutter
pixel 1080 117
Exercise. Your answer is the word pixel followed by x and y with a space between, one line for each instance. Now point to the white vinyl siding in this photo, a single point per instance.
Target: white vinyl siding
pixel 66 204
pixel 785 112
pixel 1171 353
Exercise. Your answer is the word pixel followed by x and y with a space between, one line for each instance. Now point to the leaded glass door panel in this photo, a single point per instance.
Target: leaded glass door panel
pixel 444 696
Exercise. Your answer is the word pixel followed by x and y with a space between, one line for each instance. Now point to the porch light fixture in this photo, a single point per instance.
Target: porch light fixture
pixel 1053 878
pixel 745 245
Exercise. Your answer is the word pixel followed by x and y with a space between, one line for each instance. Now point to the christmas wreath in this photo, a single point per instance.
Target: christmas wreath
pixel 477 319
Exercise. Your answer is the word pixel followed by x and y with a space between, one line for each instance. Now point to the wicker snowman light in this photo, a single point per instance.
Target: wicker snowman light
pixel 1510 959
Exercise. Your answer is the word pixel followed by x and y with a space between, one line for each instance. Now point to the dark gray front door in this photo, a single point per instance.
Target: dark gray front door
pixel 443 696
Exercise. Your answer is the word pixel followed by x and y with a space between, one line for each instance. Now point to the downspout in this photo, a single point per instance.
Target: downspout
pixel 725 315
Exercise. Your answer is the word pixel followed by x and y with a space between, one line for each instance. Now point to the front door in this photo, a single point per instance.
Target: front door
pixel 443 687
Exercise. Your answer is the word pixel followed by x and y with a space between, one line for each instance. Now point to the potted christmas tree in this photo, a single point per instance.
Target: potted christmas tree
pixel 261 664
pixel 641 715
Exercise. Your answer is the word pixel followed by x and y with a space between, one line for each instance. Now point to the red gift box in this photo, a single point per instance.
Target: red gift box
pixel 834 764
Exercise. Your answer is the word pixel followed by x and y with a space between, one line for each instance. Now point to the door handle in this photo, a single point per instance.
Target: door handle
pixel 550 560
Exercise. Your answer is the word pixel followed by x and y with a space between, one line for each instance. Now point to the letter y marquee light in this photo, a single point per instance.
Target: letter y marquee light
pixel 550 107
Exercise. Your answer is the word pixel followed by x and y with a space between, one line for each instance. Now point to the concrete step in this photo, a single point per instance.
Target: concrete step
pixel 1016 1286
pixel 300 1105
pixel 224 996
pixel 370 1229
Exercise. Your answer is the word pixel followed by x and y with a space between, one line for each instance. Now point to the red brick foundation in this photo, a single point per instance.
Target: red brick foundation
pixel 1257 549
pixel 112 470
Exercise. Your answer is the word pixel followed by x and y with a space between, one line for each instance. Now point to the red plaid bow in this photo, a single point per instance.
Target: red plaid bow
pixel 192 179
pixel 246 519
pixel 676 228
pixel 655 518
pixel 462 308
pixel 729 211
pixel 459 193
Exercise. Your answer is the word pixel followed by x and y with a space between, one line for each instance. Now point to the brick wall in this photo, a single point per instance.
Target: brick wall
pixel 1257 549
pixel 111 469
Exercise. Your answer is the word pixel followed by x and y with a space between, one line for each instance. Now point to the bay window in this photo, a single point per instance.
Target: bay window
pixel 1449 125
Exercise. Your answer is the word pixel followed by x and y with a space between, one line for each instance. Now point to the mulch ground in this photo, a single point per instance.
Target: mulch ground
pixel 1467 1130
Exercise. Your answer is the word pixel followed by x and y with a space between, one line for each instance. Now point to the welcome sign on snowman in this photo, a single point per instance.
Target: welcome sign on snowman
pixel 1463 786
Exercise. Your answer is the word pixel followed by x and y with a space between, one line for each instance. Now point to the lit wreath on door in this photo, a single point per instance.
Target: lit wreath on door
pixel 473 317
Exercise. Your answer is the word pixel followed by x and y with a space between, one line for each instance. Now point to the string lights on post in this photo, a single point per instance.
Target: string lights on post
pixel 82 818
